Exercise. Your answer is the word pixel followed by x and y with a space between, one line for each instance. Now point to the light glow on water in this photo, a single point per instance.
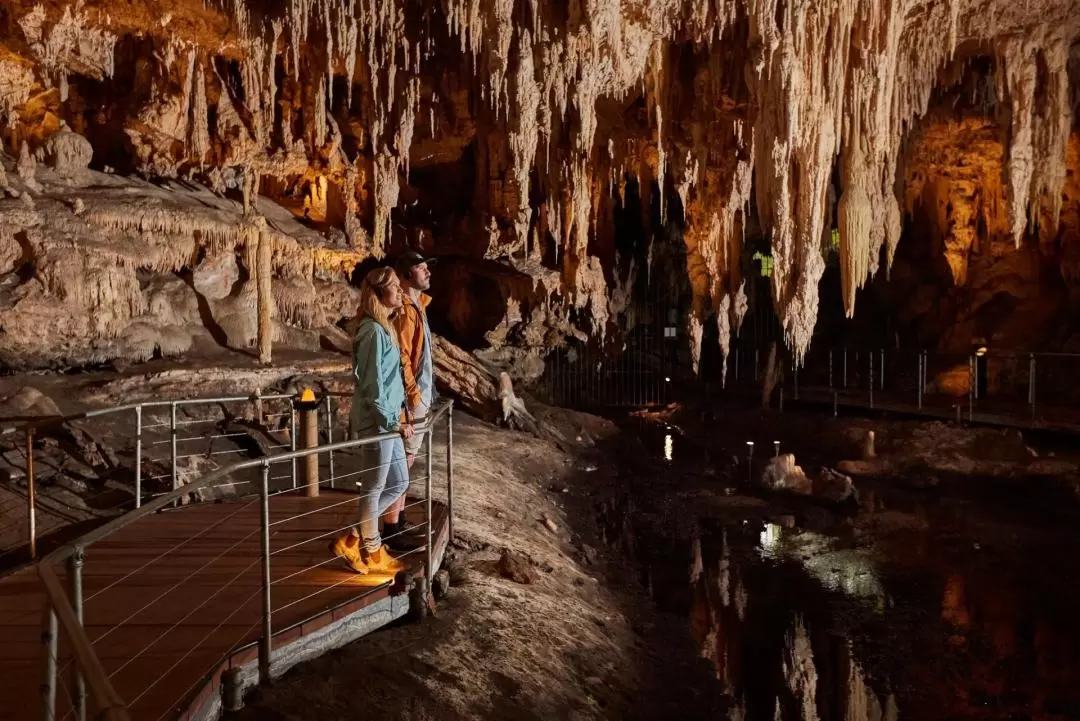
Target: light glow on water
pixel 669 446
pixel 770 540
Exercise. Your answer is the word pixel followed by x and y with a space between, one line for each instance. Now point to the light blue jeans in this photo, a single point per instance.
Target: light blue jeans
pixel 384 479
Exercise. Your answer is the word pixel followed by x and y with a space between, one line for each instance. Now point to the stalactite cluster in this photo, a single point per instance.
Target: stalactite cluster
pixel 710 106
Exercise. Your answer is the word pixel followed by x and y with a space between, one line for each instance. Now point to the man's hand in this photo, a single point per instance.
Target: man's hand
pixel 406 431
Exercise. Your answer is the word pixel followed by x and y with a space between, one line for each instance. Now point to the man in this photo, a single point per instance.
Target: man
pixel 414 340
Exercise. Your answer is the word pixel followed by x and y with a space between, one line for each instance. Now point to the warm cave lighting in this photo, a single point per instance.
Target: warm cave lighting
pixel 981 352
pixel 667 380
pixel 776 448
pixel 669 444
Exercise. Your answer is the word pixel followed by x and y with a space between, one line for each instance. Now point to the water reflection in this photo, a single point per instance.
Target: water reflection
pixel 848 570
pixel 796 634
pixel 767 653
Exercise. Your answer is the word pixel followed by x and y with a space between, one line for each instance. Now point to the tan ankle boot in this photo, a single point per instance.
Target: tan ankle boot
pixel 347 547
pixel 380 561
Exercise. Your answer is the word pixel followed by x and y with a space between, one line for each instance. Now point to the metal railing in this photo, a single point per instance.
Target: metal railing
pixel 100 618
pixel 172 440
pixel 1025 388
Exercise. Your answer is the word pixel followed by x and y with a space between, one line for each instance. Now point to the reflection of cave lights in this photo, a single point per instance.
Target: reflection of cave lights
pixel 770 540
pixel 669 446
pixel 848 571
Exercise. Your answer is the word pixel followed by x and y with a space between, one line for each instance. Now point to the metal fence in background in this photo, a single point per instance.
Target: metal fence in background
pixel 638 373
pixel 1031 389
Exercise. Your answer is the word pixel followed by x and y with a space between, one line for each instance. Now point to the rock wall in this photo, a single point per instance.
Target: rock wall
pixel 513 130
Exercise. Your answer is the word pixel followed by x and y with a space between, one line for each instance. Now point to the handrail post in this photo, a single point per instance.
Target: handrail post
pixel 31 498
pixel 971 388
pixel 830 368
pixel 1031 384
pixel 292 439
pixel 105 696
pixel 450 471
pixel 257 407
pixel 50 638
pixel 264 523
pixel 925 365
pixel 75 566
pixel 138 456
pixel 308 411
pixel 330 437
pixel 870 356
pixel 429 566
pixel 172 436
pixel 919 378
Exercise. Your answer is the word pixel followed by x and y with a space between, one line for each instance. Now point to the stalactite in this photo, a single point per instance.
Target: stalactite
pixel 386 197
pixel 199 141
pixel 320 113
pixel 1051 133
pixel 1020 74
pixel 827 83
pixel 525 131
pixel 16 84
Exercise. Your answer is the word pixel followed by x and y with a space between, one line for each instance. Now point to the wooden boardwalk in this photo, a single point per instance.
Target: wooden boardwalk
pixel 175 598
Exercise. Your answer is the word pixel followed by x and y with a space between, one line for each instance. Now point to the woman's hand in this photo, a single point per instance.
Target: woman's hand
pixel 406 431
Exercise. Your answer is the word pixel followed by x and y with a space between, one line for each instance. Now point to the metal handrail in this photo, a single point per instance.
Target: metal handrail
pixel 32 426
pixel 44 421
pixel 64 552
pixel 100 688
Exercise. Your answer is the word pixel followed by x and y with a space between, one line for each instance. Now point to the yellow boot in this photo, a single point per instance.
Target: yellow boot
pixel 347 547
pixel 380 561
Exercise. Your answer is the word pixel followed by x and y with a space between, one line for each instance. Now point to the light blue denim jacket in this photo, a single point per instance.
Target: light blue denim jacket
pixel 380 393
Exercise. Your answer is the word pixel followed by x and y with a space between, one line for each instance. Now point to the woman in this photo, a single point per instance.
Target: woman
pixel 377 408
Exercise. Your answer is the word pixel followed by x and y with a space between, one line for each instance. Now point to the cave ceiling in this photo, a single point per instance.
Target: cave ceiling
pixel 331 106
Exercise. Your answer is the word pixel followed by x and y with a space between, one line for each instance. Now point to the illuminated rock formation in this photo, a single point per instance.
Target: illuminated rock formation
pixel 349 112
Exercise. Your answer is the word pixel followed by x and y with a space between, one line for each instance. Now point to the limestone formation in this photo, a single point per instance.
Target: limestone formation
pixel 513 130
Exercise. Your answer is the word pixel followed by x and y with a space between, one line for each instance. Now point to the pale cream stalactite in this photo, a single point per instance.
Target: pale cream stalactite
pixel 1018 57
pixel 524 132
pixel 387 187
pixel 1051 133
pixel 855 214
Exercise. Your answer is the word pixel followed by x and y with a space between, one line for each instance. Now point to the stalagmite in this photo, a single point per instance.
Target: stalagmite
pixel 263 275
